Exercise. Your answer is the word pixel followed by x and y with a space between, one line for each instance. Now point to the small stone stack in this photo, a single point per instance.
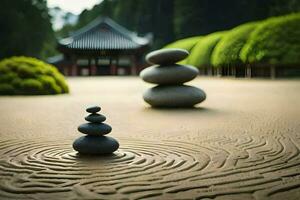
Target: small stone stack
pixel 95 142
pixel 170 77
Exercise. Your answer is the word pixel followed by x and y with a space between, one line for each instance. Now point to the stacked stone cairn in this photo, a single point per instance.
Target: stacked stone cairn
pixel 95 141
pixel 170 77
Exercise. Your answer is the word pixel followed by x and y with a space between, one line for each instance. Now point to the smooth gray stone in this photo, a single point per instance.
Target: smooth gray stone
pixel 95 128
pixel 166 56
pixel 174 96
pixel 93 109
pixel 95 118
pixel 95 145
pixel 171 74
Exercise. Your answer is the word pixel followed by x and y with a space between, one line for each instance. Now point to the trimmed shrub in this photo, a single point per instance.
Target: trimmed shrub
pixel 6 89
pixel 227 51
pixel 187 44
pixel 31 86
pixel 30 76
pixel 202 51
pixel 50 85
pixel 274 41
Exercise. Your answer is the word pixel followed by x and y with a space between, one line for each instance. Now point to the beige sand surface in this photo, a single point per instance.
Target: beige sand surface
pixel 242 143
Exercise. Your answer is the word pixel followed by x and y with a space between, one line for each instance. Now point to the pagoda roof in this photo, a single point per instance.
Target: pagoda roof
pixel 103 34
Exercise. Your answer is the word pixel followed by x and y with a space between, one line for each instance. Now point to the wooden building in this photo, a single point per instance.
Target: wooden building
pixel 103 47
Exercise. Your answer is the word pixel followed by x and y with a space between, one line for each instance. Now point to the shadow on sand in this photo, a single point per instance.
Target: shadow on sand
pixel 95 157
pixel 181 109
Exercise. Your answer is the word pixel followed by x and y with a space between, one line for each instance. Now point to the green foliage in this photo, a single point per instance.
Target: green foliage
pixel 187 43
pixel 65 31
pixel 31 86
pixel 199 17
pixel 6 89
pixel 227 51
pixel 177 19
pixel 50 84
pixel 274 41
pixel 26 29
pixel 188 18
pixel 283 7
pixel 30 76
pixel 147 16
pixel 202 51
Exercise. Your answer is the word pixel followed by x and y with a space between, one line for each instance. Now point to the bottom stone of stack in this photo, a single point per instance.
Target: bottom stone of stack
pixel 174 96
pixel 95 145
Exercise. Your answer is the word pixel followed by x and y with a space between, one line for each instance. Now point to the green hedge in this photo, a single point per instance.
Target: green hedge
pixel 275 41
pixel 202 51
pixel 227 51
pixel 187 44
pixel 30 76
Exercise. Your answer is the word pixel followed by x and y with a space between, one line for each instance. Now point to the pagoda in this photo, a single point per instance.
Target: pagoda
pixel 103 47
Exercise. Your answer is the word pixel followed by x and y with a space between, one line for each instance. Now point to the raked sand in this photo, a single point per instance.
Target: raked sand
pixel 243 142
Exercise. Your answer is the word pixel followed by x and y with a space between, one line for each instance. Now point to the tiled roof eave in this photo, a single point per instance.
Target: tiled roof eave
pixel 102 49
pixel 100 52
pixel 103 35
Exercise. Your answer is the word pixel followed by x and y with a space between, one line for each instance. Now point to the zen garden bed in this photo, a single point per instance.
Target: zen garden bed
pixel 241 143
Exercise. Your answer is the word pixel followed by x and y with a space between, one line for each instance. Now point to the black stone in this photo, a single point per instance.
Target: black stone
pixel 95 145
pixel 166 56
pixel 95 118
pixel 93 109
pixel 94 128
pixel 169 74
pixel 174 96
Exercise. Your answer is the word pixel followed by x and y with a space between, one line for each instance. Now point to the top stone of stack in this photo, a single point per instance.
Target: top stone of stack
pixel 95 141
pixel 170 78
pixel 166 56
pixel 93 109
pixel 95 125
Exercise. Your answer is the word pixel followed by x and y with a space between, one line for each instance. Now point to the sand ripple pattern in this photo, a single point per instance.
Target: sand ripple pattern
pixel 258 167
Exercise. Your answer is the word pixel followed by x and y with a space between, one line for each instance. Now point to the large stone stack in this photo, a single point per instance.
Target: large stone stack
pixel 95 142
pixel 170 77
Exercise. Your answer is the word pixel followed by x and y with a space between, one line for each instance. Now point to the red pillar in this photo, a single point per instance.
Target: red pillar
pixel 65 70
pixel 74 69
pixel 116 66
pixel 112 67
pixel 248 71
pixel 94 68
pixel 133 69
pixel 273 72
pixel 113 70
pixel 89 67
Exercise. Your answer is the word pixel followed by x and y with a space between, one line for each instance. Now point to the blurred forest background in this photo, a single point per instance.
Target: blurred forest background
pixel 26 25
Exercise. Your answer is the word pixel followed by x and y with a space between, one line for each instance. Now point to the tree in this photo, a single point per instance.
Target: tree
pixel 25 29
pixel 281 7
pixel 176 19
pixel 156 16
pixel 122 10
pixel 188 18
pixel 275 41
